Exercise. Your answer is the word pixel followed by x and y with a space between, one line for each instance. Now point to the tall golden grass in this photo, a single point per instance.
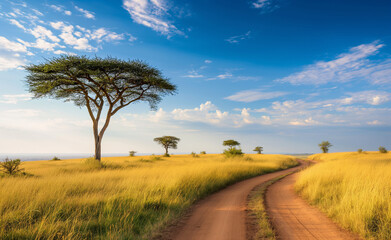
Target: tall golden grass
pixel 127 198
pixel 354 189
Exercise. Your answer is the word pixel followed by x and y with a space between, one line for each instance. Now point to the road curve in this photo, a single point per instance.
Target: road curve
pixel 221 215
pixel 293 218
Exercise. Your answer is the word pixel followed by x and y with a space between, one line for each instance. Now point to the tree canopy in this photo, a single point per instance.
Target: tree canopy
pixel 231 143
pixel 102 85
pixel 167 142
pixel 258 149
pixel 324 146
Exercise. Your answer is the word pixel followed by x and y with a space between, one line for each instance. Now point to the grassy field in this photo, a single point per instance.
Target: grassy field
pixel 129 198
pixel 354 189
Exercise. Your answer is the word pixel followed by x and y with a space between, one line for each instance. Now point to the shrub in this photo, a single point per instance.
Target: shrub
pixel 233 152
pixel 382 150
pixel 56 159
pixel 132 153
pixel 11 167
pixel 202 152
pixel 156 158
pixel 359 150
pixel 194 154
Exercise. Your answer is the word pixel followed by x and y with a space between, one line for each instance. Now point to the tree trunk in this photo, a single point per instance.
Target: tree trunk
pixel 166 151
pixel 98 142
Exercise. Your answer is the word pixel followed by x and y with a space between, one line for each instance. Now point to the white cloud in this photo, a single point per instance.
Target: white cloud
pixel 150 13
pixel 15 98
pixel 87 14
pixel 254 95
pixel 69 38
pixel 37 12
pixel 261 3
pixel 208 61
pixel 194 74
pixel 60 8
pixel 11 46
pixel 18 24
pixel 265 5
pixel 43 33
pixel 7 63
pixel 103 34
pixel 224 76
pixel 237 39
pixel 346 67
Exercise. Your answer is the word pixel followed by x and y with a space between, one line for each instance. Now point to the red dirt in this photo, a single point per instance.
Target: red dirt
pixel 293 218
pixel 221 215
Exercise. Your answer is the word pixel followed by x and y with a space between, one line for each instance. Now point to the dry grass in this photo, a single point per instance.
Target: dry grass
pixel 353 188
pixel 127 198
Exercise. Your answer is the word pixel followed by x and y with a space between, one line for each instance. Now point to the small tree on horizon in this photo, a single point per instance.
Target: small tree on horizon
pixel 383 149
pixel 132 153
pixel 232 151
pixel 102 85
pixel 258 149
pixel 167 142
pixel 324 146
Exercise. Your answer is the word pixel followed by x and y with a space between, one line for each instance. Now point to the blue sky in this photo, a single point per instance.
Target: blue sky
pixel 284 74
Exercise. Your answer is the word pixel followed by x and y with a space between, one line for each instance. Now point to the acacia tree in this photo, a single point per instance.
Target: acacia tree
pixel 231 143
pixel 324 146
pixel 167 142
pixel 258 149
pixel 102 85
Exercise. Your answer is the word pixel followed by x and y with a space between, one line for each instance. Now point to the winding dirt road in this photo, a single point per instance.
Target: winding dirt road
pixel 293 218
pixel 221 216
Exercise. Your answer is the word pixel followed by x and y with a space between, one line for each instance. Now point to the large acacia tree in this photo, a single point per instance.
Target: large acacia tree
pixel 102 85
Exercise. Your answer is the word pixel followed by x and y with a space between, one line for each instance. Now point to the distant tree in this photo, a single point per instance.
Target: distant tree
pixel 132 153
pixel 324 146
pixel 10 167
pixel 55 159
pixel 167 142
pixel 195 155
pixel 359 150
pixel 382 150
pixel 231 143
pixel 202 152
pixel 102 85
pixel 232 151
pixel 258 149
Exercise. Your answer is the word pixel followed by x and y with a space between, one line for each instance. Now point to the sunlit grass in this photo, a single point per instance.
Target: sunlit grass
pixel 352 188
pixel 126 198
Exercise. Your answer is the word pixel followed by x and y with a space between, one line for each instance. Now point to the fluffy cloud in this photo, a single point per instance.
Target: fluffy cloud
pixel 7 63
pixel 356 109
pixel 345 67
pixel 254 95
pixel 150 13
pixel 11 46
pixel 43 33
pixel 67 35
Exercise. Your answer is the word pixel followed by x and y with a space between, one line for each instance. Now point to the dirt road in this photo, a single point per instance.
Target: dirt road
pixel 221 215
pixel 293 218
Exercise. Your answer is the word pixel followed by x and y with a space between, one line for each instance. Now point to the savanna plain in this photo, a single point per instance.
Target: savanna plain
pixel 122 198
